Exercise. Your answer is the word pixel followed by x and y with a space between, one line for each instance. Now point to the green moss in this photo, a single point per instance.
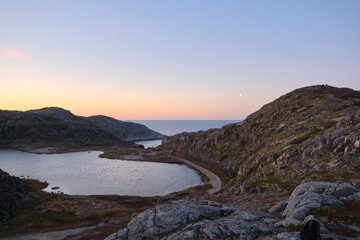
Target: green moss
pixel 300 139
pixel 320 127
pixel 355 166
pixel 253 152
pixel 269 172
pixel 282 184
pixel 241 177
pixel 223 157
pixel 253 168
pixel 254 125
pixel 356 103
pixel 326 125
pixel 230 173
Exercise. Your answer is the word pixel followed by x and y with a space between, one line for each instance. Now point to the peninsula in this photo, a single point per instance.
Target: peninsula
pixel 53 129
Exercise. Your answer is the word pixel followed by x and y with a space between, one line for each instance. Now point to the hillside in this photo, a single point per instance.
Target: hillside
pixel 59 127
pixel 312 133
pixel 12 191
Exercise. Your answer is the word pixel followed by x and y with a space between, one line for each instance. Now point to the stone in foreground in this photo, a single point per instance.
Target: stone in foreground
pixel 313 196
pixel 191 219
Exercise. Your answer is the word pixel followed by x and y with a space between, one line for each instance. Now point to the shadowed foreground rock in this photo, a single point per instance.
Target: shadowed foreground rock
pixel 12 191
pixel 191 219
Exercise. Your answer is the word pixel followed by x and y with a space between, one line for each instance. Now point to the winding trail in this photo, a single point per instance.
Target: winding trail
pixel 56 235
pixel 214 180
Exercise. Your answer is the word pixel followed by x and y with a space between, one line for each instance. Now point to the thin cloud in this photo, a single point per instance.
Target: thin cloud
pixel 9 54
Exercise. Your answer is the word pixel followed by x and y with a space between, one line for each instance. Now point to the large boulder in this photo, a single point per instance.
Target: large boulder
pixel 314 196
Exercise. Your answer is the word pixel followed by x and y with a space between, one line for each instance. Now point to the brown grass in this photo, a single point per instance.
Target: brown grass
pixel 53 212
pixel 347 214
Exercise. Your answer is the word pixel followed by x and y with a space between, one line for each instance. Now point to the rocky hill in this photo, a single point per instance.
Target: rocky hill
pixel 56 126
pixel 310 134
pixel 12 192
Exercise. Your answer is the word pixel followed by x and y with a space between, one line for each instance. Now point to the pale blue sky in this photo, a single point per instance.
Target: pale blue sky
pixel 173 59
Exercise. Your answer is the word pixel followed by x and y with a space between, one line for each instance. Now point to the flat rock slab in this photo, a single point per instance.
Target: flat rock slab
pixel 191 219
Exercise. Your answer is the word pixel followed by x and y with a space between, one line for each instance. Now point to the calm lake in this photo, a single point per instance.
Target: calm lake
pixel 84 173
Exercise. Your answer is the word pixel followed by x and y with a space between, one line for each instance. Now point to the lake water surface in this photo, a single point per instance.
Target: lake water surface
pixel 84 173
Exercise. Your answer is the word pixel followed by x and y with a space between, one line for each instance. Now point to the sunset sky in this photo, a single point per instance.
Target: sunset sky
pixel 185 59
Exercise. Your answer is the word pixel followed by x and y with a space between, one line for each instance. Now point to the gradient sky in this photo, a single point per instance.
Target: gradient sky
pixel 173 59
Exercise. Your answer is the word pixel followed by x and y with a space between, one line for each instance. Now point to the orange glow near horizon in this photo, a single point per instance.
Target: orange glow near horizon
pixel 107 102
pixel 126 103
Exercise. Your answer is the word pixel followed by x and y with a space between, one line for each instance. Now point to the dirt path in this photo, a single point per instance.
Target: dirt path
pixel 56 235
pixel 214 179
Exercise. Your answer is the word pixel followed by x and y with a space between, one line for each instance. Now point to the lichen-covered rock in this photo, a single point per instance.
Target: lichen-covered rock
pixel 312 196
pixel 279 207
pixel 190 219
pixel 193 219
pixel 231 227
pixel 288 236
pixel 354 198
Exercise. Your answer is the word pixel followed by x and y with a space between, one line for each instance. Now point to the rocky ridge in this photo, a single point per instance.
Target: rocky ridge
pixel 310 134
pixel 59 127
pixel 194 219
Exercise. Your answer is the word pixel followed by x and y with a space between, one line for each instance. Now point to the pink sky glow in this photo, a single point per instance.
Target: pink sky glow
pixel 13 54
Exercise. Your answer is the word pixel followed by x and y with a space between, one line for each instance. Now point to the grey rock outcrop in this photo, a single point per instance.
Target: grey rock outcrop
pixel 193 219
pixel 313 196
pixel 190 219
pixel 353 197
pixel 279 207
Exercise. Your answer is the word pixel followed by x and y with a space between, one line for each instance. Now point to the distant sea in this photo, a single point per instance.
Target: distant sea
pixel 172 127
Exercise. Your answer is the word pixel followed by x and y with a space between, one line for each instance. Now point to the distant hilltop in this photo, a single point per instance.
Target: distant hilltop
pixel 309 134
pixel 53 126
